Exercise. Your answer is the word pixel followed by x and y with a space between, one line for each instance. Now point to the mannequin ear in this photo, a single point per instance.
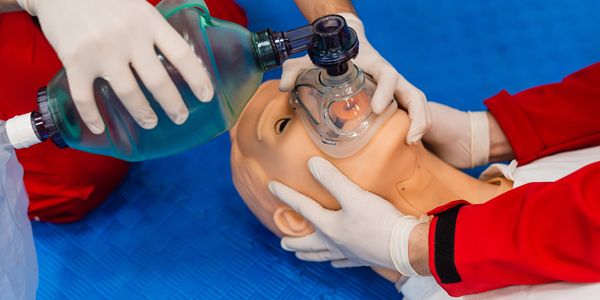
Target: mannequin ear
pixel 290 223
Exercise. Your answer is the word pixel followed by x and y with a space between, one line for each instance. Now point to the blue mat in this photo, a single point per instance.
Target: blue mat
pixel 176 227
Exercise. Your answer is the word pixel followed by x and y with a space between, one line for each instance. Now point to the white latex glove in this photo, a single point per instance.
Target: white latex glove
pixel 460 138
pixel 390 83
pixel 106 39
pixel 367 231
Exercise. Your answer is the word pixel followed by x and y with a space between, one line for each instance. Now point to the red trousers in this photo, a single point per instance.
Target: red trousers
pixel 63 185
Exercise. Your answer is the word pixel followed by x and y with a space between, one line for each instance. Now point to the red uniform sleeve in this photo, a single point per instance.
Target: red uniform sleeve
pixel 537 233
pixel 540 232
pixel 552 118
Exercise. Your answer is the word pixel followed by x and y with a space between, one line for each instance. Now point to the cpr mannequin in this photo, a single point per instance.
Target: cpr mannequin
pixel 270 143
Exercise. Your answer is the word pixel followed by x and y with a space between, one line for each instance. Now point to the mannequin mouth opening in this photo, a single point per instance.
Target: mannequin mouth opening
pixel 350 115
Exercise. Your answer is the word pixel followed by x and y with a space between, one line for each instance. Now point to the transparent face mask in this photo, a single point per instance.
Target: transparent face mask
pixel 336 110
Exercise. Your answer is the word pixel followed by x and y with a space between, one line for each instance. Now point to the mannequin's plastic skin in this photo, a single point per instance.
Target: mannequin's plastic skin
pixel 270 143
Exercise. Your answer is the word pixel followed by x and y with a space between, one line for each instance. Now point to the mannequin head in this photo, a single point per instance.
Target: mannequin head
pixel 270 143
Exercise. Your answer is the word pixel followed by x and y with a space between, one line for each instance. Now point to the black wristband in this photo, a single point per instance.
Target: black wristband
pixel 444 246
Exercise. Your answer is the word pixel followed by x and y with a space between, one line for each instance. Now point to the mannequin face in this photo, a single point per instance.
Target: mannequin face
pixel 270 143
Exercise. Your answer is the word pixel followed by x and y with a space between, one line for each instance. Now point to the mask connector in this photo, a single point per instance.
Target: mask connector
pixel 329 41
pixel 334 44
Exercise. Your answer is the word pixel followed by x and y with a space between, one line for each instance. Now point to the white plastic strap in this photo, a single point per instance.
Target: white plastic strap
pixel 480 138
pixel 399 244
pixel 20 131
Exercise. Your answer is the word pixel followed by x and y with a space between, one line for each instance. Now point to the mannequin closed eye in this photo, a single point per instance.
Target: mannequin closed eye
pixel 274 120
pixel 281 125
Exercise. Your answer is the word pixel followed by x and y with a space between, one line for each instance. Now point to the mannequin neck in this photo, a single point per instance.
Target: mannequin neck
pixel 422 182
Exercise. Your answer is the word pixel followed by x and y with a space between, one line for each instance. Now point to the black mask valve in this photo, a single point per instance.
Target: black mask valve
pixel 334 44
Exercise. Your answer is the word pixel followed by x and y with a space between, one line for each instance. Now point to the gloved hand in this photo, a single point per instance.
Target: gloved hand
pixel 106 39
pixel 367 231
pixel 460 138
pixel 390 84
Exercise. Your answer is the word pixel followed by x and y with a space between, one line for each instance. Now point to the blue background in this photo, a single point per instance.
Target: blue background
pixel 176 228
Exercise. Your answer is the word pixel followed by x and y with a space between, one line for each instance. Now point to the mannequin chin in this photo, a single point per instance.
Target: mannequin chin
pixel 270 143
